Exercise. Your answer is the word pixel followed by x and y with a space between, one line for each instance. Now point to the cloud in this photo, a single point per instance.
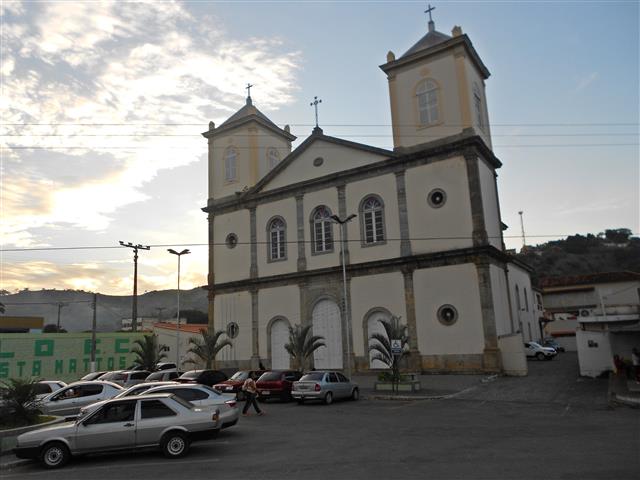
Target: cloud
pixel 87 90
pixel 585 81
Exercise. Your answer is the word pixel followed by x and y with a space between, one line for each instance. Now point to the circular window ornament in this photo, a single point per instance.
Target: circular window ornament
pixel 231 240
pixel 318 161
pixel 437 198
pixel 232 330
pixel 447 315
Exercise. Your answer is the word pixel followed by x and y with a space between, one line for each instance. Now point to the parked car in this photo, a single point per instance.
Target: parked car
pixel 126 378
pixel 276 384
pixel 205 396
pixel 45 387
pixel 138 389
pixel 68 401
pixel 203 377
pixel 93 375
pixel 551 343
pixel 326 386
pixel 163 376
pixel 234 384
pixel 533 349
pixel 166 366
pixel 123 424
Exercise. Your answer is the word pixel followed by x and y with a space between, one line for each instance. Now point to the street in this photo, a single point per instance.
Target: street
pixel 548 425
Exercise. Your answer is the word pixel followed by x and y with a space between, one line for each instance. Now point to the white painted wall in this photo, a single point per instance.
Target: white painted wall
pixel 473 76
pixel 514 360
pixel 374 291
pixel 458 286
pixel 168 337
pixel 505 324
pixel 232 263
pixel 524 317
pixel 336 158
pixel 264 213
pixel 490 205
pixel 235 307
pixel 453 219
pixel 385 187
pixel 276 302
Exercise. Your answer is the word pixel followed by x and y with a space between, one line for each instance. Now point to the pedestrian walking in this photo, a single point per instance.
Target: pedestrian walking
pixel 250 393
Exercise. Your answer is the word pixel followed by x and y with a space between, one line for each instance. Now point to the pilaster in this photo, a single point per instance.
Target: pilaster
pixel 302 259
pixel 403 215
pixel 479 233
pixel 253 271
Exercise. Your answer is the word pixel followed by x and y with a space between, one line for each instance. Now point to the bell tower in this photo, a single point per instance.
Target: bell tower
pixel 437 89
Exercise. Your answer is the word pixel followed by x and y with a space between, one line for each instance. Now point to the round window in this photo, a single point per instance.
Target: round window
pixel 231 241
pixel 232 330
pixel 437 198
pixel 318 161
pixel 447 315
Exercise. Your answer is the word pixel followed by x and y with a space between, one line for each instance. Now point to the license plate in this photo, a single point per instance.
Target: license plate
pixel 265 392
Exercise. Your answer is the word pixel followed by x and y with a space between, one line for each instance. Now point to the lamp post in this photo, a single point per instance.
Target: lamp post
pixel 343 223
pixel 134 307
pixel 179 254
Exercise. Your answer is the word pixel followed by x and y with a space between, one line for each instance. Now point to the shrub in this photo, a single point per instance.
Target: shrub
pixel 18 404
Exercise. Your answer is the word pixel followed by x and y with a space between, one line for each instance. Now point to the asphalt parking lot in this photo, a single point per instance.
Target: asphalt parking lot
pixel 549 425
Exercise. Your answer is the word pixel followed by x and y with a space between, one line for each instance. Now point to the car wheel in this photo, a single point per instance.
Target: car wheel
pixel 54 455
pixel 328 398
pixel 540 356
pixel 355 395
pixel 175 445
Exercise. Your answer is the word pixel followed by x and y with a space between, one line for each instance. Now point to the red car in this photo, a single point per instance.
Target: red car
pixel 277 384
pixel 234 384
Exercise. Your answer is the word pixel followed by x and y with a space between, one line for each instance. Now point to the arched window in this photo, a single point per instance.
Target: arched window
pixel 273 157
pixel 477 101
pixel 372 218
pixel 322 230
pixel 427 97
pixel 230 158
pixel 277 239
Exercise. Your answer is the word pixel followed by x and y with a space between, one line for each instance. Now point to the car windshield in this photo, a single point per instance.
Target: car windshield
pixel 240 376
pixel 312 377
pixel 534 344
pixel 270 376
pixel 155 376
pixel 113 376
pixel 193 374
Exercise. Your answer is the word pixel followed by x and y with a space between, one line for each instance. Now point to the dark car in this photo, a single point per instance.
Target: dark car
pixel 203 377
pixel 234 384
pixel 277 384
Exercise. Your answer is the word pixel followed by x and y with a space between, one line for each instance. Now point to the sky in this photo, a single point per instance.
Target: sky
pixel 102 105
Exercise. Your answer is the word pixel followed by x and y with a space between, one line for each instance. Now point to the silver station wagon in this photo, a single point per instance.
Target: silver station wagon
pixel 68 401
pixel 148 420
pixel 325 386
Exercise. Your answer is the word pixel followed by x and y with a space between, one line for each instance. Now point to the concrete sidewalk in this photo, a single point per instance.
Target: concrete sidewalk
pixel 624 391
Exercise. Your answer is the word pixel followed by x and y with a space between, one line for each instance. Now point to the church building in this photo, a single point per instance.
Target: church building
pixel 420 226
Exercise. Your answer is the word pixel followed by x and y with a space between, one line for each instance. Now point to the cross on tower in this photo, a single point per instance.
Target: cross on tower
pixel 315 105
pixel 248 89
pixel 429 10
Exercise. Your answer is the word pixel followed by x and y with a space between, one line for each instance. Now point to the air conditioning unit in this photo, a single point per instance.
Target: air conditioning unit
pixel 585 313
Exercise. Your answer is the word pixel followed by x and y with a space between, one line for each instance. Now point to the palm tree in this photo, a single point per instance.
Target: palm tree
pixel 207 347
pixel 18 401
pixel 148 352
pixel 302 344
pixel 380 345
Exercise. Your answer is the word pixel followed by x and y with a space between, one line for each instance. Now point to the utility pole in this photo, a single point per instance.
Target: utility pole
pixel 94 305
pixel 524 239
pixel 134 308
pixel 60 306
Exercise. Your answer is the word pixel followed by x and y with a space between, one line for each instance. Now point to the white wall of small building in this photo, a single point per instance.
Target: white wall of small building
pixel 522 303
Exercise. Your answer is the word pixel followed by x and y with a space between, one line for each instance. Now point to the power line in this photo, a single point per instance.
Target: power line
pixel 48 303
pixel 241 135
pixel 266 242
pixel 566 124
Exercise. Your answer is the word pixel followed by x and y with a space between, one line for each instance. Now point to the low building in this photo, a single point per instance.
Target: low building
pixel 597 315
pixel 12 324
pixel 177 342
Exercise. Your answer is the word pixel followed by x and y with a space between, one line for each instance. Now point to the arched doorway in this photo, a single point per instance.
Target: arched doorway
pixel 279 337
pixel 326 323
pixel 374 326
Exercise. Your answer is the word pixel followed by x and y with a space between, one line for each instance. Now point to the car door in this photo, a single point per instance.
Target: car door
pixel 112 427
pixel 154 417
pixel 334 385
pixel 62 403
pixel 89 394
pixel 345 385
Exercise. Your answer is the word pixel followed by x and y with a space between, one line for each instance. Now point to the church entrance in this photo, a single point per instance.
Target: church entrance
pixel 326 323
pixel 375 326
pixel 279 337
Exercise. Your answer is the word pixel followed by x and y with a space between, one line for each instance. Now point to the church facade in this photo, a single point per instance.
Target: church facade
pixel 425 243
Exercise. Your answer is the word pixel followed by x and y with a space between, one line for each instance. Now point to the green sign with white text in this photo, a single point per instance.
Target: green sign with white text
pixel 62 356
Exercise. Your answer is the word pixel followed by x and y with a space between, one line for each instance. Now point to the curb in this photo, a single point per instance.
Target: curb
pixel 14 464
pixel 405 397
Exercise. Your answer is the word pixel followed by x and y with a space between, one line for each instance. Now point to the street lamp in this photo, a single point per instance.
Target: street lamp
pixel 343 223
pixel 179 254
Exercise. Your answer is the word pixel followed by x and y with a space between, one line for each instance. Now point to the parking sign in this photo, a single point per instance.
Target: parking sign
pixel 396 347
